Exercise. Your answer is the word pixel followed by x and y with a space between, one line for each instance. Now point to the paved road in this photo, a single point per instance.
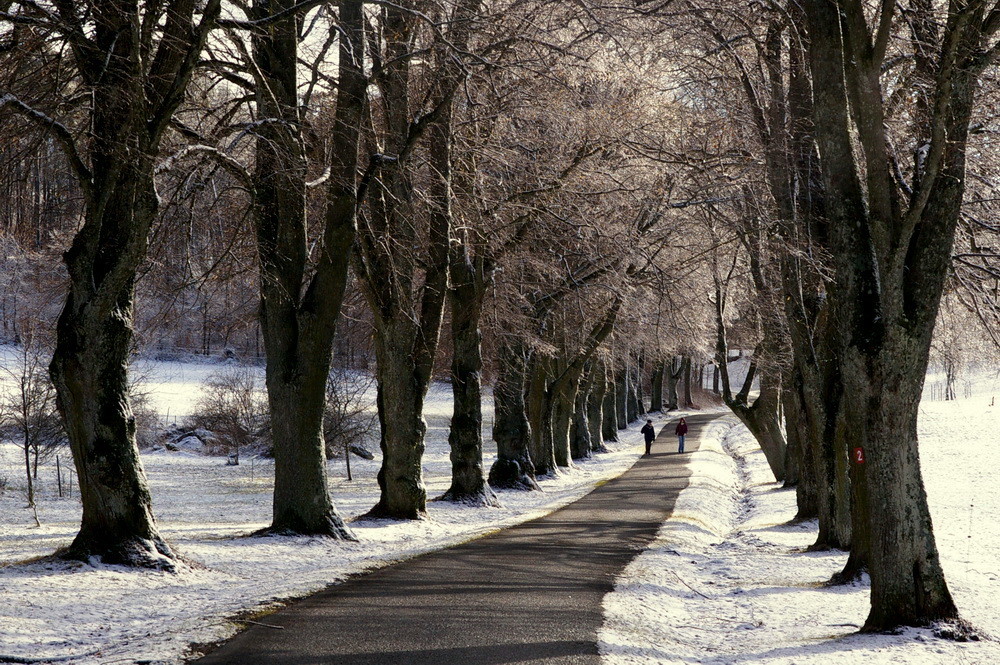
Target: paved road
pixel 528 594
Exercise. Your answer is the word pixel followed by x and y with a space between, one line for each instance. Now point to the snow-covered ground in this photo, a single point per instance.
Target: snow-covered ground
pixel 108 614
pixel 726 581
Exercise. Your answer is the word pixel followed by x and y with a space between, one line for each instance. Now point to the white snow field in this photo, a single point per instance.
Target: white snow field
pixel 726 580
pixel 108 614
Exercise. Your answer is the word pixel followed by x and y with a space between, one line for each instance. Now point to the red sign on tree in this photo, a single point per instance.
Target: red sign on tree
pixel 858 455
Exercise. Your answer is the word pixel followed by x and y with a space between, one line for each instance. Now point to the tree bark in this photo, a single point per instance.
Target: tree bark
pixel 595 406
pixel 686 371
pixel 656 387
pixel 133 87
pixel 800 450
pixel 632 394
pixel 563 408
pixel 466 294
pixel 403 267
pixel 673 376
pixel 891 259
pixel 761 417
pixel 540 414
pixel 300 303
pixel 640 375
pixel 400 479
pixel 621 398
pixel 580 442
pixel 609 406
pixel 511 430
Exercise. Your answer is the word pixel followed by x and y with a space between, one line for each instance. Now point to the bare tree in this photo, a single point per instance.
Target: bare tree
pixel 133 61
pixel 30 410
pixel 891 236
pixel 302 289
pixel 233 407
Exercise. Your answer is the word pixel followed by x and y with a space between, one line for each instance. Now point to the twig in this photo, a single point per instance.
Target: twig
pixel 259 623
pixel 709 630
pixel 689 586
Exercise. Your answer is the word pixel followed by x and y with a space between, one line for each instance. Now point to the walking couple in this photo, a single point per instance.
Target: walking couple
pixel 649 432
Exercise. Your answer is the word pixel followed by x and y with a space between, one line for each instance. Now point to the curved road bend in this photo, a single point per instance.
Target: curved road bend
pixel 528 594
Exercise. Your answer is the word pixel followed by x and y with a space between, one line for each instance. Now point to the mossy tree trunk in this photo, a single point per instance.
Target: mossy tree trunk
pixel 511 429
pixel 133 83
pixel 301 299
pixel 891 257
pixel 656 386
pixel 597 379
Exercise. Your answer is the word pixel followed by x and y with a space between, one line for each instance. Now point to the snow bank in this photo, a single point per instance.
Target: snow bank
pixel 727 580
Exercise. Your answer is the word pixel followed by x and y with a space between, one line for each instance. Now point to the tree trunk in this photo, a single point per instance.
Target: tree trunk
pixel 540 415
pixel 889 502
pixel 891 258
pixel 403 266
pixel 761 418
pixel 656 387
pixel 595 406
pixel 300 303
pixel 468 479
pixel 673 375
pixel 686 371
pixel 400 479
pixel 609 406
pixel 580 443
pixel 621 398
pixel 90 365
pixel 563 402
pixel 89 370
pixel 640 373
pixel 632 394
pixel 511 430
pixel 129 108
pixel 302 503
pixel 799 447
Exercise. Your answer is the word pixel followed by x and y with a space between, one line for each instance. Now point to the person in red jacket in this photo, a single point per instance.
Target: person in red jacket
pixel 682 429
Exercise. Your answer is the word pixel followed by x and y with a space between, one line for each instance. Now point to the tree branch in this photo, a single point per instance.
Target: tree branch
pixel 62 135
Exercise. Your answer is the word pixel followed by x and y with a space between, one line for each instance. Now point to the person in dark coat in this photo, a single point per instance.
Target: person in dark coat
pixel 682 429
pixel 649 432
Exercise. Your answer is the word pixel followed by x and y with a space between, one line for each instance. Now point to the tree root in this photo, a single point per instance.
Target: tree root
pixel 380 512
pixel 332 527
pixel 145 553
pixel 957 630
pixel 485 498
pixel 508 474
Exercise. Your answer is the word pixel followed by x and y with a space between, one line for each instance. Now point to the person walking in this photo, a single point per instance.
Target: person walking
pixel 649 432
pixel 682 429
